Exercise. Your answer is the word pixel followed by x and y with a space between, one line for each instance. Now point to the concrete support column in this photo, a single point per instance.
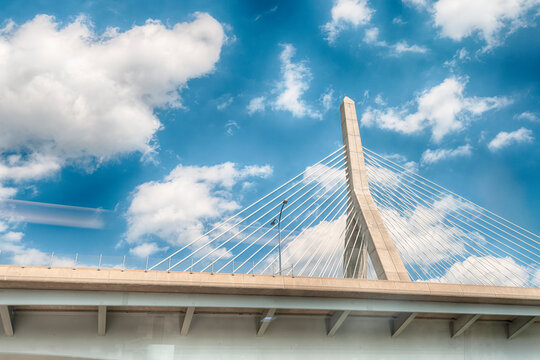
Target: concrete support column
pixel 379 245
pixel 6 319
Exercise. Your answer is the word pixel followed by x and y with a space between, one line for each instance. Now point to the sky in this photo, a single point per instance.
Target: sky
pixel 128 127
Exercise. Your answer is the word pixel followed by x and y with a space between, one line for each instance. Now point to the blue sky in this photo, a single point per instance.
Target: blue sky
pixel 136 106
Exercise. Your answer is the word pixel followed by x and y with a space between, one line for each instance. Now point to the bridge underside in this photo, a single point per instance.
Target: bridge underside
pixel 113 314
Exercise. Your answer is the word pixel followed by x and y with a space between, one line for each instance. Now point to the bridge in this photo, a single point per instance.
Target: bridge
pixel 357 256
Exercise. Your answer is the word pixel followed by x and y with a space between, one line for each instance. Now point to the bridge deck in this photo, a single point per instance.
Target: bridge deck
pixel 296 295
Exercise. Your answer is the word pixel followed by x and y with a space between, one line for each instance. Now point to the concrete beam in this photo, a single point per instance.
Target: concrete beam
pixel 519 325
pixel 335 322
pixel 188 317
pixel 401 322
pixel 7 323
pixel 102 320
pixel 264 321
pixel 142 299
pixel 462 323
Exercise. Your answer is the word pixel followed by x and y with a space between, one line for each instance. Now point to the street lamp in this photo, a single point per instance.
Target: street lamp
pixel 279 231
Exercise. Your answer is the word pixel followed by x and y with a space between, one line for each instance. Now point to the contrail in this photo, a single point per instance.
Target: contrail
pixel 52 214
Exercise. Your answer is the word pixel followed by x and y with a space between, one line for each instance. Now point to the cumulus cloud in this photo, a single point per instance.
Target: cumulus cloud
pixel 346 13
pixel 7 192
pixel 420 234
pixel 295 82
pixel 14 251
pixel 318 250
pixel 491 20
pixel 372 37
pixel 432 156
pixel 327 177
pixel 443 109
pixel 488 270
pixel 504 139
pixel 35 166
pixel 146 249
pixel 92 95
pixel 178 208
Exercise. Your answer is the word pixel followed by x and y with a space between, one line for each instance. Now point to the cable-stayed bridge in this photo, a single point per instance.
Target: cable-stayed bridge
pixel 358 242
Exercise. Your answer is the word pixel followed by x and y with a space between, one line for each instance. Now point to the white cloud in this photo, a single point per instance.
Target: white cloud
pixel 379 100
pixel 504 139
pixel 12 236
pixel 268 12
pixel 443 109
pixel 432 156
pixel 7 192
pixel 93 95
pixel 383 176
pixel 372 37
pixel 487 270
pixel 346 13
pixel 34 167
pixel 256 104
pixel 419 234
pixel 402 47
pixel 327 177
pixel 492 20
pixel 11 245
pixel 313 250
pixel 529 116
pixel 417 3
pixel 460 56
pixel 294 83
pixel 535 281
pixel 146 249
pixel 289 90
pixel 178 208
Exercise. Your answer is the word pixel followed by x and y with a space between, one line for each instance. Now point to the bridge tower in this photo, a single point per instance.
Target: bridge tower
pixel 367 227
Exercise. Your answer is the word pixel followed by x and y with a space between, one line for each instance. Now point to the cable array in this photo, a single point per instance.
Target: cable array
pixel 308 227
pixel 444 237
pixel 308 237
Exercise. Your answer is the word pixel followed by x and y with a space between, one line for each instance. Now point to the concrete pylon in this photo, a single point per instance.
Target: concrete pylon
pixel 367 223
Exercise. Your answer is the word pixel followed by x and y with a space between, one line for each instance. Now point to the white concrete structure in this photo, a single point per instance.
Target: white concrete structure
pixel 86 313
pixel 156 336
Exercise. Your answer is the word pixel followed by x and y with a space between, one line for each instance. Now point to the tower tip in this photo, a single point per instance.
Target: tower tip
pixel 347 99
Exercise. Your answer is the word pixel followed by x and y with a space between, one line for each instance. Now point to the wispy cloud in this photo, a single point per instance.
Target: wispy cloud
pixel 52 214
pixel 294 83
pixel 432 156
pixel 528 116
pixel 372 37
pixel 230 127
pixel 289 90
pixel 268 12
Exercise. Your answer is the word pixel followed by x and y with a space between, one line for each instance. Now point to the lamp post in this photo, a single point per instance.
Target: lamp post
pixel 279 231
